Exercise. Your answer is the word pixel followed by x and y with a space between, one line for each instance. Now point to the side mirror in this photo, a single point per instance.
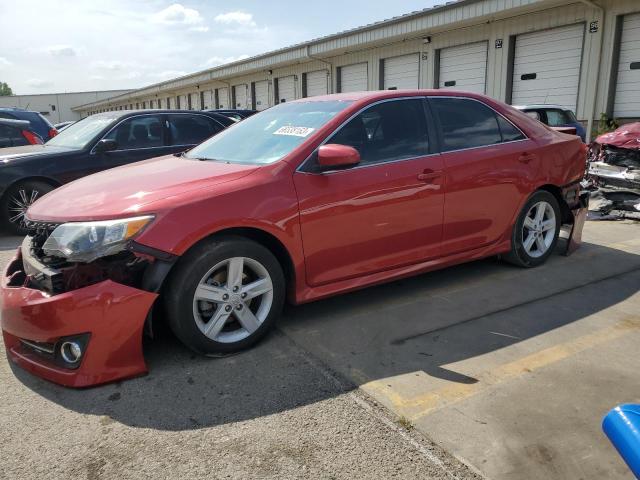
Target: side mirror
pixel 332 156
pixel 106 145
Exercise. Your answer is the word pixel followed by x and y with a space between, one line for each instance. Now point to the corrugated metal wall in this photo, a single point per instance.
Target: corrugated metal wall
pixel 492 21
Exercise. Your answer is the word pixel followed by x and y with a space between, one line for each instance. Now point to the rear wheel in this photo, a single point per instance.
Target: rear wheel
pixel 17 201
pixel 536 232
pixel 225 295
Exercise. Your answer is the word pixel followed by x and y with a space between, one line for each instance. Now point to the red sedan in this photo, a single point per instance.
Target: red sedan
pixel 305 200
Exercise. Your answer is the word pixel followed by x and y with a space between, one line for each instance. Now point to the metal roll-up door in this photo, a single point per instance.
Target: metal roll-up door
pixel 464 67
pixel 286 89
pixel 240 96
pixel 546 67
pixel 317 83
pixel 401 72
pixel 223 98
pixel 627 100
pixel 195 101
pixel 261 95
pixel 354 78
pixel 207 99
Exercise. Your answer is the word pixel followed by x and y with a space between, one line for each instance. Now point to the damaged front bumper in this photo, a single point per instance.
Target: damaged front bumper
pixel 606 175
pixel 46 310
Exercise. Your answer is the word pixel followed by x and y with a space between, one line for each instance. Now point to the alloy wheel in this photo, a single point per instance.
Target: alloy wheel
pixel 19 203
pixel 233 299
pixel 539 229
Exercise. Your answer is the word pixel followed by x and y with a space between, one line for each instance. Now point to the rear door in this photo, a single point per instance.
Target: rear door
pixel 384 213
pixel 489 166
pixel 187 130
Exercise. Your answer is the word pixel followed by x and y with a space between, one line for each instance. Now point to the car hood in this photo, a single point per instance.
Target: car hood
pixel 133 189
pixel 12 154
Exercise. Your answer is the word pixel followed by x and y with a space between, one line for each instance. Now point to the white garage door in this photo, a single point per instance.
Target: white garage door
pixel 402 72
pixel 286 89
pixel 207 97
pixel 223 98
pixel 183 102
pixel 317 83
pixel 195 101
pixel 240 95
pixel 262 95
pixel 464 68
pixel 627 102
pixel 546 67
pixel 354 78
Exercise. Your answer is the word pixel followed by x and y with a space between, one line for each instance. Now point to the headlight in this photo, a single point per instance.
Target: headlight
pixel 85 241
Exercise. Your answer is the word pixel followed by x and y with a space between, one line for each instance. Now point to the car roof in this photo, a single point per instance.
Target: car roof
pixel 540 106
pixel 10 122
pixel 151 111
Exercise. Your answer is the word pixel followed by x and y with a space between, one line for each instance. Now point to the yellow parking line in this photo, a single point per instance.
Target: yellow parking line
pixel 419 406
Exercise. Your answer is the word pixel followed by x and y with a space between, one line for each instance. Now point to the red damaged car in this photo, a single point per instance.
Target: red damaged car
pixel 305 200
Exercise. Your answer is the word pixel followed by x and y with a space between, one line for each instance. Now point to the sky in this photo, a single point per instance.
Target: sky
pixel 64 45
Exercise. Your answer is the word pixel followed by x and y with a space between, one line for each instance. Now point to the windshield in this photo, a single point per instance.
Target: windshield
pixel 269 135
pixel 81 133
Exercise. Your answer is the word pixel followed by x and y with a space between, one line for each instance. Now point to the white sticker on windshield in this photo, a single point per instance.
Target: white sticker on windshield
pixel 294 131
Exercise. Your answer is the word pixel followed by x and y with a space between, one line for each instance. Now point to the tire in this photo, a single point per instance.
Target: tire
pixel 533 239
pixel 17 200
pixel 232 319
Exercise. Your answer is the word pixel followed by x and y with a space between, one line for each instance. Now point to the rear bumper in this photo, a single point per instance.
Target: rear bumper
pixel 109 314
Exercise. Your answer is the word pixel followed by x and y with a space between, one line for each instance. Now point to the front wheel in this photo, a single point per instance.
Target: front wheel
pixel 536 231
pixel 225 295
pixel 17 200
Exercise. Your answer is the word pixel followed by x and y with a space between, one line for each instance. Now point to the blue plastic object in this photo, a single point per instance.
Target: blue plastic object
pixel 622 426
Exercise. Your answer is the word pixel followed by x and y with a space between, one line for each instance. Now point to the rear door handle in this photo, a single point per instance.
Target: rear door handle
pixel 429 176
pixel 526 157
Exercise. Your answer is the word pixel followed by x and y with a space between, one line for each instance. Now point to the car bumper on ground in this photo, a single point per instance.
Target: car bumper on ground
pixel 103 321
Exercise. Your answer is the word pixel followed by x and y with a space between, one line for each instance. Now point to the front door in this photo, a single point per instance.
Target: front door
pixel 384 213
pixel 138 138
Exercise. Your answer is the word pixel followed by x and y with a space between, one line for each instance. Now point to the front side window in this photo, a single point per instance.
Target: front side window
pixel 392 130
pixel 270 135
pixel 138 132
pixel 191 129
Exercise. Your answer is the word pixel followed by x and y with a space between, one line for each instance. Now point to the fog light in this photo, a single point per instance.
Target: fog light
pixel 71 352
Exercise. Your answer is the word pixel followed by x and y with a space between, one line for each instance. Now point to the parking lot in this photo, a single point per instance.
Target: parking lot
pixel 481 369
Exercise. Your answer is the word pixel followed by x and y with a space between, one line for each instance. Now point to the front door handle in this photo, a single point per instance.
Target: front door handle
pixel 429 176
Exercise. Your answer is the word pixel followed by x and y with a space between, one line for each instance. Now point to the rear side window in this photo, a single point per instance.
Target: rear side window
pixel 388 131
pixel 191 129
pixel 11 137
pixel 559 118
pixel 508 131
pixel 469 124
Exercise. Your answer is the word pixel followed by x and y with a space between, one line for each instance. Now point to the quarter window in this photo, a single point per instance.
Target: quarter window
pixel 468 124
pixel 191 129
pixel 388 131
pixel 138 132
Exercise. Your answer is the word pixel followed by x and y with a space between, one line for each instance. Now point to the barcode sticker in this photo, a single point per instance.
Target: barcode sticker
pixel 294 131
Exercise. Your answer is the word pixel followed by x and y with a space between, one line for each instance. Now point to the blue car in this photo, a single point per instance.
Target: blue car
pixel 554 116
pixel 39 124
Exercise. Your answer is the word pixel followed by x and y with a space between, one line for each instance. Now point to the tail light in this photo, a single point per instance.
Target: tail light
pixel 52 132
pixel 32 138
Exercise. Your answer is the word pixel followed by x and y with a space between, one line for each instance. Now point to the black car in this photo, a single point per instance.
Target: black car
pixel 234 114
pixel 96 143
